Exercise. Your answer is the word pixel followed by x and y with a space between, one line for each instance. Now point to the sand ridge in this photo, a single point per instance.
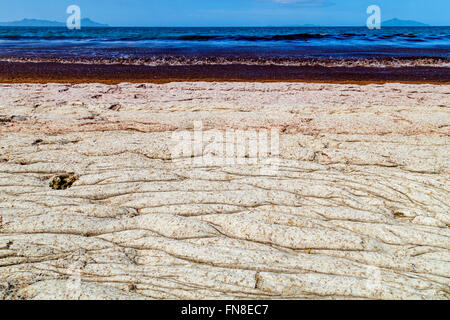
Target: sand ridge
pixel 358 209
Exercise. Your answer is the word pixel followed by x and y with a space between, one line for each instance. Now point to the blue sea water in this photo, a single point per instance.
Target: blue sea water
pixel 224 45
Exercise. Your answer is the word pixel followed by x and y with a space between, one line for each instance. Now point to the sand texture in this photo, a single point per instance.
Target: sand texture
pixel 358 209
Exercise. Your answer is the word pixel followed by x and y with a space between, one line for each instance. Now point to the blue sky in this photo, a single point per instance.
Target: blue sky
pixel 229 12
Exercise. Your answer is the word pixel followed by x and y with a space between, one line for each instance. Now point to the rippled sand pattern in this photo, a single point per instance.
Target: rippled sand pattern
pixel 358 209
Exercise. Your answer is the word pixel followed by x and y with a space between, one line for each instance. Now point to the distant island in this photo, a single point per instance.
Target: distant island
pixel 403 23
pixel 86 22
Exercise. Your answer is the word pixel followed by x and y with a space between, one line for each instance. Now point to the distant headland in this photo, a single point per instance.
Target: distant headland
pixel 403 23
pixel 86 22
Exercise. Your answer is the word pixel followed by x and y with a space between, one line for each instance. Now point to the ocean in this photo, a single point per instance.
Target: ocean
pixel 402 46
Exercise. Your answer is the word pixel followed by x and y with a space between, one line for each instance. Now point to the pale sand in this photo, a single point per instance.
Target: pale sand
pixel 358 209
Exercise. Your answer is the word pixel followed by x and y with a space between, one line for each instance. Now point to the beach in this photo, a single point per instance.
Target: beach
pixel 94 205
pixel 115 73
pixel 242 163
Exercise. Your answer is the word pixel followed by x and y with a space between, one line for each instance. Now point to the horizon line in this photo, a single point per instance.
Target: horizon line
pixel 229 26
pixel 306 25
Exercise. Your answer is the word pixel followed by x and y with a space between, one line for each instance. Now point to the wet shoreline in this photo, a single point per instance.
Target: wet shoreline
pixel 31 72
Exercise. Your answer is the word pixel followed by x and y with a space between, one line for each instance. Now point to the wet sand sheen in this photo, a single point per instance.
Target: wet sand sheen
pixel 15 72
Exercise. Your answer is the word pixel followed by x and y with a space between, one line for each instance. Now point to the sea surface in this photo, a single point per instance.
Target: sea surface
pixel 334 46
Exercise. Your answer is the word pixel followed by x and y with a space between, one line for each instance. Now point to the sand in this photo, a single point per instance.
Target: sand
pixel 358 208
pixel 116 73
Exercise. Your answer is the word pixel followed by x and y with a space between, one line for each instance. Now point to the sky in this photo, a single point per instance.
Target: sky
pixel 229 12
